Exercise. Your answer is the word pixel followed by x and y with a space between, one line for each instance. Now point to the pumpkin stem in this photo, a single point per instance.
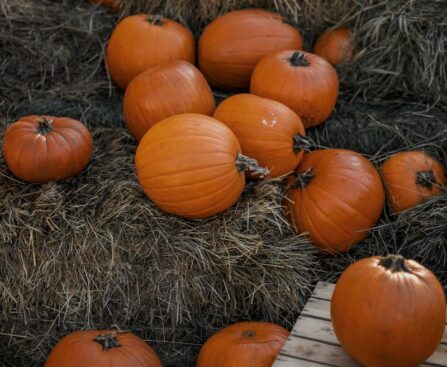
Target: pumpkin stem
pixel 425 179
pixel 300 142
pixel 297 59
pixel 303 179
pixel 44 126
pixel 248 334
pixel 244 163
pixel 395 263
pixel 108 341
pixel 155 19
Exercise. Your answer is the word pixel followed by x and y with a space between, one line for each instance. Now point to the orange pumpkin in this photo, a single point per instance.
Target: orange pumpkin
pixel 411 178
pixel 388 312
pixel 232 45
pixel 46 148
pixel 114 5
pixel 247 344
pixel 268 131
pixel 142 41
pixel 98 348
pixel 165 90
pixel 336 197
pixel 191 165
pixel 335 45
pixel 305 82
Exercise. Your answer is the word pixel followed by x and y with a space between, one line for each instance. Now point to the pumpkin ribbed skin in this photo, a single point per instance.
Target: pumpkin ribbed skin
pixel 389 315
pixel 265 129
pixel 47 148
pixel 80 349
pixel 305 82
pixel 186 165
pixel 169 89
pixel 247 344
pixel 142 41
pixel 337 197
pixel 334 45
pixel 411 178
pixel 231 45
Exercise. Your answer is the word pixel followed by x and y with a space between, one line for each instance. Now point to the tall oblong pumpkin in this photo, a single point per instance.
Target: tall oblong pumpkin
pixel 191 165
pixel 231 45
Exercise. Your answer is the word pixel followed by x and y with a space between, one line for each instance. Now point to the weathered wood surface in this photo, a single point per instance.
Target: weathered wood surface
pixel 312 342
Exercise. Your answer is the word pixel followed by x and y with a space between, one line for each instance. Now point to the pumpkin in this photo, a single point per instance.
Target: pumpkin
pixel 46 148
pixel 336 197
pixel 411 178
pixel 305 82
pixel 247 344
pixel 165 90
pixel 388 312
pixel 335 45
pixel 191 165
pixel 142 41
pixel 114 5
pixel 268 131
pixel 100 348
pixel 231 45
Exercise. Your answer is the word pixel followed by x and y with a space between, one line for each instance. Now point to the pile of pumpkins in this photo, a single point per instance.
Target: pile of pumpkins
pixel 193 159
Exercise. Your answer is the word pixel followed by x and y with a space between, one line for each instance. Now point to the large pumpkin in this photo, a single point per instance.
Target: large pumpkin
pixel 46 148
pixel 410 178
pixel 335 45
pixel 268 131
pixel 232 45
pixel 246 344
pixel 165 90
pixel 305 82
pixel 336 197
pixel 191 165
pixel 142 41
pixel 388 312
pixel 101 348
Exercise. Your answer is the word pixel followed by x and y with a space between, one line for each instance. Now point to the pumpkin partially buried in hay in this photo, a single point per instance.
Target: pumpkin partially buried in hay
pixel 163 91
pixel 114 5
pixel 268 131
pixel 191 165
pixel 335 45
pixel 47 148
pixel 247 344
pixel 388 312
pixel 336 197
pixel 142 41
pixel 100 348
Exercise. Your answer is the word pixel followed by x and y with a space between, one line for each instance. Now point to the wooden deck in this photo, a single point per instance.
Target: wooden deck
pixel 312 342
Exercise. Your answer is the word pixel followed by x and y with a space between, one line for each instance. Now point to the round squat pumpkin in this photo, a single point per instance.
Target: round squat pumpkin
pixel 388 312
pixel 268 131
pixel 101 348
pixel 411 178
pixel 113 5
pixel 232 45
pixel 142 41
pixel 305 82
pixel 191 165
pixel 46 148
pixel 336 197
pixel 165 90
pixel 247 344
pixel 335 45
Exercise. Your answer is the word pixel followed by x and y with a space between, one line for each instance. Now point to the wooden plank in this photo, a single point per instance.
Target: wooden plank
pixel 317 308
pixel 323 290
pixel 287 361
pixel 439 357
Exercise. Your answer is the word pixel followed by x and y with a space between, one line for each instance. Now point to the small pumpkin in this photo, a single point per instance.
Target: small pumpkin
pixel 305 82
pixel 191 165
pixel 268 131
pixel 335 45
pixel 98 348
pixel 388 312
pixel 142 41
pixel 165 90
pixel 47 148
pixel 336 197
pixel 247 344
pixel 114 5
pixel 231 45
pixel 411 178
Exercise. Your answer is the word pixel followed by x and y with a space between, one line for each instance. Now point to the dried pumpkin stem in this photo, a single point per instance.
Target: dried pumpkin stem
pixel 108 341
pixel 395 263
pixel 300 142
pixel 155 19
pixel 303 179
pixel 244 163
pixel 426 179
pixel 44 126
pixel 298 59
